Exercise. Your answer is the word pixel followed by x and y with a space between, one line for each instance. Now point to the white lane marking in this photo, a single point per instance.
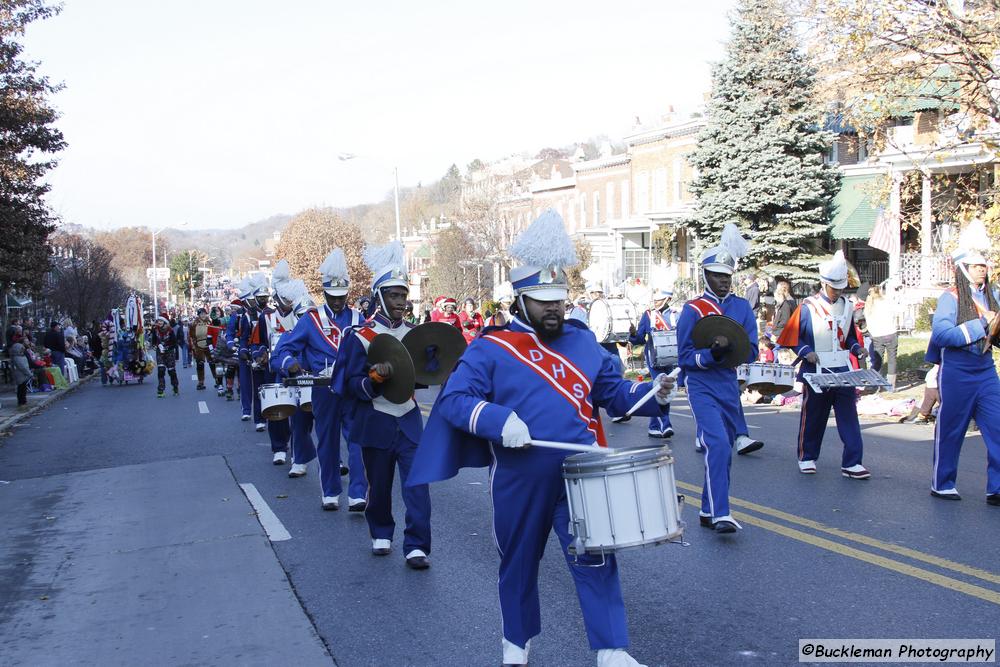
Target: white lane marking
pixel 203 407
pixel 194 377
pixel 275 530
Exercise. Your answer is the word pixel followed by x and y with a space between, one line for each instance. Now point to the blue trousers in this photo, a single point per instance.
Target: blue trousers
pixel 326 411
pixel 303 449
pixel 380 467
pixel 258 378
pixel 357 485
pixel 247 390
pixel 966 394
pixel 278 431
pixel 812 423
pixel 529 501
pixel 718 421
pixel 662 423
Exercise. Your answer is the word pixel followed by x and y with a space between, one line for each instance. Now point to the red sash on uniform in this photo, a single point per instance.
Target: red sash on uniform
pixel 569 382
pixel 334 338
pixel 705 307
pixel 657 321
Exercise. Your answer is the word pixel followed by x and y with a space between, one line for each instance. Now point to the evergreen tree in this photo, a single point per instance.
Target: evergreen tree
pixel 760 158
pixel 27 139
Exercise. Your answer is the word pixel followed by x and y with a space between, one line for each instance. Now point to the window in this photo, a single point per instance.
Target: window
pixel 833 155
pixel 609 201
pixel 583 210
pixel 625 200
pixel 597 209
pixel 678 173
pixel 642 192
pixel 660 189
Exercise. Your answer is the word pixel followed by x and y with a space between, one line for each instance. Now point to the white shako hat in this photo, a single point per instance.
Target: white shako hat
pixel 973 242
pixel 258 282
pixel 289 290
pixel 724 257
pixel 833 272
pixel 544 250
pixel 388 265
pixel 245 289
pixel 281 273
pixel 333 270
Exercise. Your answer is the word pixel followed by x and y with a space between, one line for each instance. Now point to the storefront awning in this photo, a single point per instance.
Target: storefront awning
pixel 14 302
pixel 854 214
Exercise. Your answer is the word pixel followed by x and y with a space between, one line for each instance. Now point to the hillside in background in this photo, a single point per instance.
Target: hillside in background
pixel 228 245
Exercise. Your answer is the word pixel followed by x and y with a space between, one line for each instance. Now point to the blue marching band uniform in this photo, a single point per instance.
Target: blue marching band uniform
pixel 823 334
pixel 967 378
pixel 267 331
pixel 656 319
pixel 313 345
pixel 713 391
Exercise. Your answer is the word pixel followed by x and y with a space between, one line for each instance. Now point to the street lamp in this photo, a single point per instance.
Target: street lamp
pixel 344 157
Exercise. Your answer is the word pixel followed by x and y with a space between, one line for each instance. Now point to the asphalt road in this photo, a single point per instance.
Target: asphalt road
pixel 818 557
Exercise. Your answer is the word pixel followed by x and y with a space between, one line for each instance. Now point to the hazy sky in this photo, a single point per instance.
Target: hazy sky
pixel 220 112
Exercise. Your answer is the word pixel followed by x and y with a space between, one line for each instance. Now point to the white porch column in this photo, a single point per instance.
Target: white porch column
pixel 926 234
pixel 894 213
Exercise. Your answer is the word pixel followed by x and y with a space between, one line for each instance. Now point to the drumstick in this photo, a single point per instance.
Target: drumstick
pixel 568 446
pixel 652 392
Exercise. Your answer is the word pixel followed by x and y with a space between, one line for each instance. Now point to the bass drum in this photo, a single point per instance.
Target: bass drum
pixel 610 319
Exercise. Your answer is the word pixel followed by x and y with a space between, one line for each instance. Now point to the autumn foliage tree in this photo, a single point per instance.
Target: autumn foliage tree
pixel 310 236
pixel 450 274
pixel 132 253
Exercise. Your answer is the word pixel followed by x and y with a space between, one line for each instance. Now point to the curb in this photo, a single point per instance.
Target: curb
pixel 10 422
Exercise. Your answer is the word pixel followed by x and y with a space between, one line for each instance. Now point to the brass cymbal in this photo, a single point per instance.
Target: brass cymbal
pixel 435 348
pixel 707 328
pixel 398 388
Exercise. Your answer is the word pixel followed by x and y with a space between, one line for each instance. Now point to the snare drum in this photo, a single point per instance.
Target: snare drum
pixel 305 399
pixel 769 378
pixel 622 499
pixel 277 401
pixel 610 319
pixel 664 352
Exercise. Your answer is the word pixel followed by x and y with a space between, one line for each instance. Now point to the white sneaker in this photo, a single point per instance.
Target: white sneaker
pixel 381 547
pixel 856 471
pixel 698 447
pixel 331 503
pixel 356 504
pixel 260 427
pixel 616 657
pixel 807 467
pixel 279 458
pixel 514 654
pixel 745 444
pixel 297 470
pixel 245 418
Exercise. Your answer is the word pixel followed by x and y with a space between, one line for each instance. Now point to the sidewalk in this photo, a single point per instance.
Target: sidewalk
pixel 154 564
pixel 9 412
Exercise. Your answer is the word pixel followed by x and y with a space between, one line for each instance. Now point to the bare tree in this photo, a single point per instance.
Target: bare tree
pixel 83 280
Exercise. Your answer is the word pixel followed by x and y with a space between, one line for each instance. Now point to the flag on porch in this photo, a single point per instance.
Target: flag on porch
pixel 885 234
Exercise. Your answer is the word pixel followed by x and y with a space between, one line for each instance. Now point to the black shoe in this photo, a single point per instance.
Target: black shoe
pixel 418 562
pixel 947 496
pixel 200 387
pixel 621 420
pixel 176 391
pixel 724 526
pixel 344 470
pixel 705 521
pixel 993 499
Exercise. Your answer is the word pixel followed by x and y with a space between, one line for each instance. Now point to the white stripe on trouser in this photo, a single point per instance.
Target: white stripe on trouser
pixel 937 425
pixel 708 478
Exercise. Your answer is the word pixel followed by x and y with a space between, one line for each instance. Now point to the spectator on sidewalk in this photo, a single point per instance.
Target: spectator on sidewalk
pixel 784 306
pixel 14 326
pixel 880 315
pixel 55 341
pixel 22 370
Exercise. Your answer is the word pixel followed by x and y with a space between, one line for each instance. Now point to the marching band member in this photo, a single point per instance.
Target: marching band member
pixel 657 318
pixel 713 391
pixel 313 345
pixel 258 374
pixel 822 333
pixel 540 376
pixel 963 334
pixel 267 331
pixel 388 433
pixel 238 317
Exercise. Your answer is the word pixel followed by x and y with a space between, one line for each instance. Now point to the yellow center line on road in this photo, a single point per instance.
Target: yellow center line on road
pixel 937 561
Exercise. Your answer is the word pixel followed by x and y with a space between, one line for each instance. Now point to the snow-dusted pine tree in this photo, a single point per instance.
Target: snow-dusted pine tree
pixel 760 158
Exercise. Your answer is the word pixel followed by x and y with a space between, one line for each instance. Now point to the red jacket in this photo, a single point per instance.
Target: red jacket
pixel 471 325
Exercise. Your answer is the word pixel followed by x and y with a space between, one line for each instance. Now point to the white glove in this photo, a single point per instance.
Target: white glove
pixel 161 348
pixel 515 432
pixel 668 386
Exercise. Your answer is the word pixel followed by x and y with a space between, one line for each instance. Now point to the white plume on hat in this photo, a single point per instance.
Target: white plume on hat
pixel 834 271
pixel 335 265
pixel 258 282
pixel 245 288
pixel 289 290
pixel 973 242
pixel 724 257
pixel 384 259
pixel 545 243
pixel 281 272
pixel 733 241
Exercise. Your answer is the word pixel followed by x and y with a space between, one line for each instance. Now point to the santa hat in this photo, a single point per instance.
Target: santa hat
pixel 448 301
pixel 388 265
pixel 336 277
pixel 833 272
pixel 544 250
pixel 724 257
